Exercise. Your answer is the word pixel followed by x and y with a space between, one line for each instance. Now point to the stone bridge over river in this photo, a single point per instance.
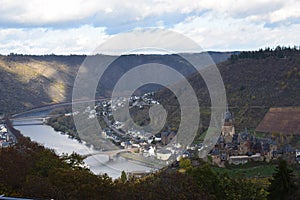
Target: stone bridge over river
pixel 111 153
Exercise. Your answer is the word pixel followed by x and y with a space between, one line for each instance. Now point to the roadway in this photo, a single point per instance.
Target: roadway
pixel 55 105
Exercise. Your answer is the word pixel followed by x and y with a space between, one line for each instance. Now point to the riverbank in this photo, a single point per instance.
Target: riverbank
pixel 60 143
pixel 152 163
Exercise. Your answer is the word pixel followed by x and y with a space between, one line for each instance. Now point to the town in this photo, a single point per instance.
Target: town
pixel 232 147
pixel 162 146
pixel 162 149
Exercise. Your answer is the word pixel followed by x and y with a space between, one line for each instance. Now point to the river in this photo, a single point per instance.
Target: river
pixel 98 164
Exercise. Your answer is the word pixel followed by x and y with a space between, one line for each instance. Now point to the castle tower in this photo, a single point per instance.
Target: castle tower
pixel 228 126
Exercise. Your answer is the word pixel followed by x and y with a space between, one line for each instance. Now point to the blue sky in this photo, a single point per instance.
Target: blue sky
pixel 79 26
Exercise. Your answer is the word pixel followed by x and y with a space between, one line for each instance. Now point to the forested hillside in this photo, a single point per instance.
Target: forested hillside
pixel 29 170
pixel 254 82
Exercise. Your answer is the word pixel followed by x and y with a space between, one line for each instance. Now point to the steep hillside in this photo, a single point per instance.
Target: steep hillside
pixel 253 85
pixel 30 81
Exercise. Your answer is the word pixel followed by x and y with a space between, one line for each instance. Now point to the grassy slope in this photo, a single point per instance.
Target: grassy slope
pixel 248 171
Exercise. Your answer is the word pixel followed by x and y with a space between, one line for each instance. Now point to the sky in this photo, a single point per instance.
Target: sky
pixel 79 26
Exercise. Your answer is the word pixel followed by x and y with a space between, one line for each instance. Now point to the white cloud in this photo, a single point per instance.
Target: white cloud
pixel 235 34
pixel 290 10
pixel 82 40
pixel 242 8
pixel 56 12
pixel 76 26
pixel 38 12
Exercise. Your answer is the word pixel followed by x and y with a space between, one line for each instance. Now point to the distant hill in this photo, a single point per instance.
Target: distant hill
pixel 254 82
pixel 28 81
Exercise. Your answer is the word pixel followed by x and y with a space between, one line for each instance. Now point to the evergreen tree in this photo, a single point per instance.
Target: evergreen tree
pixel 282 184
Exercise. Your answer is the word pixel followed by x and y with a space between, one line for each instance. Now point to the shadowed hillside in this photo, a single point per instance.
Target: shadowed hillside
pixel 31 81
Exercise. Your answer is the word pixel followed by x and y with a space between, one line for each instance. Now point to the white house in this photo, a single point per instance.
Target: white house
pixel 163 154
pixel 151 151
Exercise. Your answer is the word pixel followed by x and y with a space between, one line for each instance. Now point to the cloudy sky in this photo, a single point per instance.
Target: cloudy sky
pixel 79 26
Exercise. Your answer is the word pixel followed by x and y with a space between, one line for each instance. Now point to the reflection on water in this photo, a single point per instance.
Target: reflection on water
pixel 46 136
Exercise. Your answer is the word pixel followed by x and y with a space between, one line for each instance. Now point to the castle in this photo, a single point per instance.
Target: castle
pixel 239 148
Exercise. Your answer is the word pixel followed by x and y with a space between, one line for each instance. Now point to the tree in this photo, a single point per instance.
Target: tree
pixel 123 177
pixel 185 163
pixel 282 183
pixel 207 181
pixel 74 160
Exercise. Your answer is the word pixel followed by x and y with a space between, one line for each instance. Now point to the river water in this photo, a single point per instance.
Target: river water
pixel 98 164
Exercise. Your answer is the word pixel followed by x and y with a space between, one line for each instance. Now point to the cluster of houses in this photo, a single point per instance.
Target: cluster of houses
pixel 240 148
pixel 141 101
pixel 6 139
pixel 149 145
pixel 106 107
pixel 154 146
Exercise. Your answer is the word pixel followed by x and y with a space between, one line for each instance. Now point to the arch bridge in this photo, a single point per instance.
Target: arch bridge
pixel 111 153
